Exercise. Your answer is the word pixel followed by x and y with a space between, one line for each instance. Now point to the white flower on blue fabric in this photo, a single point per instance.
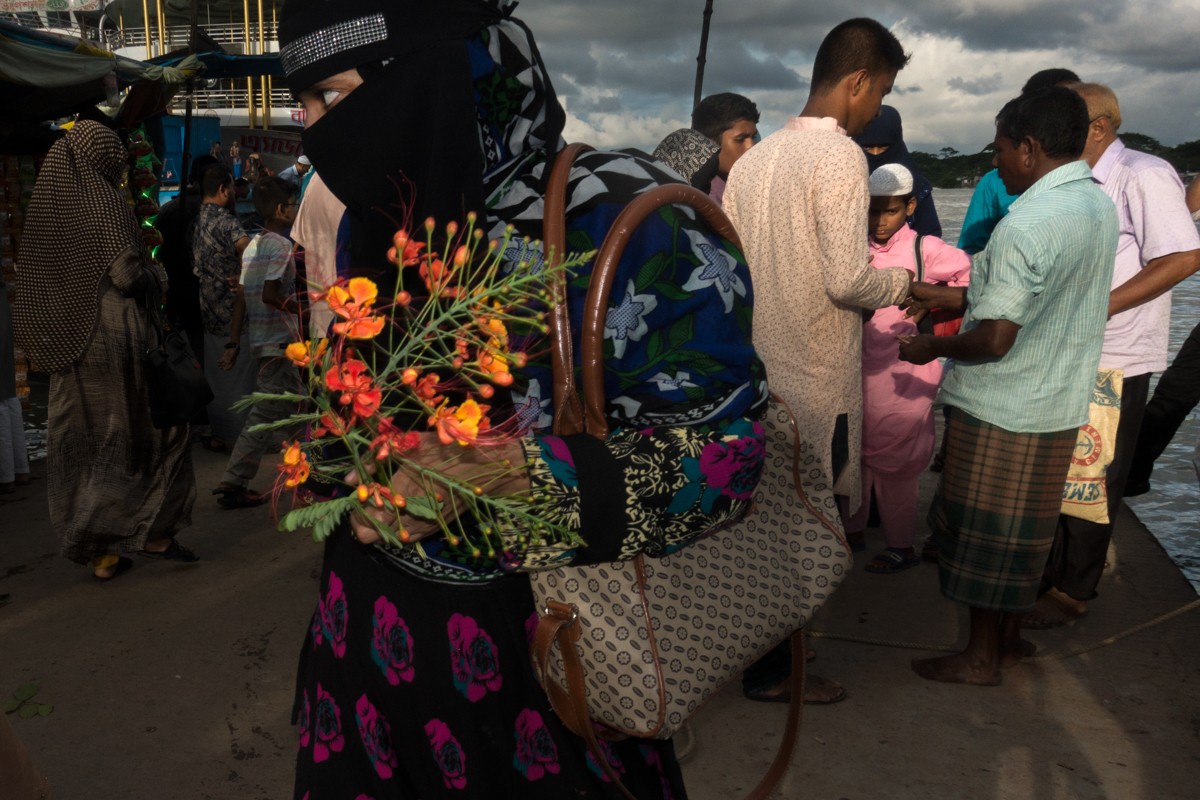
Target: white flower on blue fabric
pixel 627 322
pixel 716 269
pixel 523 251
pixel 531 410
pixel 667 383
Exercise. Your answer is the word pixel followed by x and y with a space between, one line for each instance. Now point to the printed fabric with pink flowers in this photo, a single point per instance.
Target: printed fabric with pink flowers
pixel 409 707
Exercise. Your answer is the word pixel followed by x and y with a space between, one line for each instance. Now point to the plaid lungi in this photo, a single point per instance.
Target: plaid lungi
pixel 995 510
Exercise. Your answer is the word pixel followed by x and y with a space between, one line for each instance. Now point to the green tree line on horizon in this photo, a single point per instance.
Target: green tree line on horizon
pixel 950 169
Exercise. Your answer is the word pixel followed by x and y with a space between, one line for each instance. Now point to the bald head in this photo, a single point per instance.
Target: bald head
pixel 1104 118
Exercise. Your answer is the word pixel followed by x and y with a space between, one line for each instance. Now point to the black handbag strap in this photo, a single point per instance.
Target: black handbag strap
pixel 919 257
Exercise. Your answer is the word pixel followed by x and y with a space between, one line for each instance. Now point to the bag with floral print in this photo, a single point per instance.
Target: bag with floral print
pixel 634 648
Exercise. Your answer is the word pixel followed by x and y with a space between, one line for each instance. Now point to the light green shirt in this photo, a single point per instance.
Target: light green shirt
pixel 1048 268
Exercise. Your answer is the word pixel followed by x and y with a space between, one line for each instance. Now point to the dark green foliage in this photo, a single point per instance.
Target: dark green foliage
pixel 950 169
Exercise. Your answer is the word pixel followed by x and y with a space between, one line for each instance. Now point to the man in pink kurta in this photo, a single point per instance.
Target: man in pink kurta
pixel 799 203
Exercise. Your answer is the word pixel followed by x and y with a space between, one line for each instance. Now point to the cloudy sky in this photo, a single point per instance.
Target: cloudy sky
pixel 626 68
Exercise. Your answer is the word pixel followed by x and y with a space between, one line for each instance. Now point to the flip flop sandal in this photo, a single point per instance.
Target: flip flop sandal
pixel 121 567
pixel 238 497
pixel 174 552
pixel 890 561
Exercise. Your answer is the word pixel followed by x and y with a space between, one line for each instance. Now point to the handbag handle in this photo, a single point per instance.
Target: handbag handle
pixel 568 412
pixel 569 417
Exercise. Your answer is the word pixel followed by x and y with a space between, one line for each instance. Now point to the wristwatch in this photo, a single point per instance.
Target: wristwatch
pixel 232 346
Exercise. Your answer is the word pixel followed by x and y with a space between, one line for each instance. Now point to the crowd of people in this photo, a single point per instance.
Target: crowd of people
pixel 862 317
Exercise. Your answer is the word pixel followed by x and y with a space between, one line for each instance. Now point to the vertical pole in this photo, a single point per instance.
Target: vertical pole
pixel 162 27
pixel 251 108
pixel 263 85
pixel 703 56
pixel 146 28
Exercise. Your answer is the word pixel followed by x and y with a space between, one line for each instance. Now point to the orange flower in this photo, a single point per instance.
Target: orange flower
pixel 462 424
pixel 353 303
pixel 295 466
pixel 426 389
pixel 301 353
pixel 407 252
pixel 494 365
pixel 377 493
pixel 393 440
pixel 351 379
pixel 331 423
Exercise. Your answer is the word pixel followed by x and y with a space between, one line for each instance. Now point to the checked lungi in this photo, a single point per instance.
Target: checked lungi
pixel 995 510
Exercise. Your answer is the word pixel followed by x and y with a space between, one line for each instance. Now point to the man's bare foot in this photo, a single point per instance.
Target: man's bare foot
pixel 958 668
pixel 1012 654
pixel 1053 610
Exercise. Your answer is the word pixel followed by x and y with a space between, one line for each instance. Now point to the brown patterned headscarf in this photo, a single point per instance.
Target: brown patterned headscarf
pixel 77 224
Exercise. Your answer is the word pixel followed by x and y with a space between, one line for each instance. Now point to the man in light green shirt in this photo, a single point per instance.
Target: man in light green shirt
pixel 1023 369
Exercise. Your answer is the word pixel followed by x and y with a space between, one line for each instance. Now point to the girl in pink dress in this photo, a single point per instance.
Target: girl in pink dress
pixel 898 427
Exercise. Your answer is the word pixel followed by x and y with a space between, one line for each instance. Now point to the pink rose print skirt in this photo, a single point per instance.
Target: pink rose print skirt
pixel 417 688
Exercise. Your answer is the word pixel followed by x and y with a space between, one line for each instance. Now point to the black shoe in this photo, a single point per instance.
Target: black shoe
pixel 174 552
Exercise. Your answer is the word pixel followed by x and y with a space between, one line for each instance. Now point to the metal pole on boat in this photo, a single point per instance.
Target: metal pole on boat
pixel 251 109
pixel 266 94
pixel 189 88
pixel 146 28
pixel 703 56
pixel 162 27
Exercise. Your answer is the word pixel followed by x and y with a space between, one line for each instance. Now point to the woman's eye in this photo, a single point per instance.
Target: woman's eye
pixel 330 96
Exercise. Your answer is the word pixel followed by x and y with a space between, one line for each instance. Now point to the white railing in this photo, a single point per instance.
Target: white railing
pixel 233 97
pixel 230 36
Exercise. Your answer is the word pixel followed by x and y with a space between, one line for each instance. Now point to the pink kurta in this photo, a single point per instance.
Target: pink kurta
pixel 898 431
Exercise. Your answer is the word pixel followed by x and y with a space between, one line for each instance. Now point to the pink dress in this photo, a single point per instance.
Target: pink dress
pixel 898 427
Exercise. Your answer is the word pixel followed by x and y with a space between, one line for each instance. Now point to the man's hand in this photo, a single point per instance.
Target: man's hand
pixel 228 358
pixel 917 349
pixel 928 296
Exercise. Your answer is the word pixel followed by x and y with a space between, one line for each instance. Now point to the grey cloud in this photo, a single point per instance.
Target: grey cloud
pixel 984 84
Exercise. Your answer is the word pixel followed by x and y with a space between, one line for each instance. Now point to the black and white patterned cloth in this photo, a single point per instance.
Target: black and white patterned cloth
pixel 77 225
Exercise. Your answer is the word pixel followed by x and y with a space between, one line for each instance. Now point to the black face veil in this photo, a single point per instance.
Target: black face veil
pixel 404 145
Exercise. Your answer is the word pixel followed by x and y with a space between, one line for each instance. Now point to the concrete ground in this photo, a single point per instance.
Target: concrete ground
pixel 174 682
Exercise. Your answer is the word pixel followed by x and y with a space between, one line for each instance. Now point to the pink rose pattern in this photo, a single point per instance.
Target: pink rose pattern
pixel 734 466
pixel 333 615
pixel 305 720
pixel 391 644
pixel 376 737
pixel 476 672
pixel 329 736
pixel 610 755
pixel 536 752
pixel 447 753
pixel 473 658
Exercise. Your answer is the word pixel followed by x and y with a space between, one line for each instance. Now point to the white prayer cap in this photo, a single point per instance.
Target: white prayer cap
pixel 891 180
pixel 304 160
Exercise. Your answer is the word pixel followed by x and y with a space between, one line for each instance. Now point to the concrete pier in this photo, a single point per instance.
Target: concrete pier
pixel 174 682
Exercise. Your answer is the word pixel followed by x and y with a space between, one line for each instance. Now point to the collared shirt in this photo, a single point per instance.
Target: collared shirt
pixel 1154 222
pixel 215 235
pixel 989 203
pixel 268 257
pixel 1047 268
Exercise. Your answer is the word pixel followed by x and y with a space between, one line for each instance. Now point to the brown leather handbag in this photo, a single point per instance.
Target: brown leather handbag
pixel 638 646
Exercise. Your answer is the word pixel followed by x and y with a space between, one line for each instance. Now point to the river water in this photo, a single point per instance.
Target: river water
pixel 1172 508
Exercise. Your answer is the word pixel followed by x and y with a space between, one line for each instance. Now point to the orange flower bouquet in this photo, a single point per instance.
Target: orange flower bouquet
pixel 393 370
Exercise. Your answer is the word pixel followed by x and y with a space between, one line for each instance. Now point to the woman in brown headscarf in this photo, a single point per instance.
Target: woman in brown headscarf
pixel 116 483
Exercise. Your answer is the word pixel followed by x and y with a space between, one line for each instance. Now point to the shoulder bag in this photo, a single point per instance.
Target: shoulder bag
pixel 175 379
pixel 638 646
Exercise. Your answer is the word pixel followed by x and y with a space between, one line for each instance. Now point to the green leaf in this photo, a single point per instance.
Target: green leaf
pixel 325 514
pixel 681 333
pixel 294 421
pixel 25 692
pixel 325 525
pixel 671 291
pixel 28 712
pixel 45 709
pixel 654 347
pixel 422 507
pixel 11 705
pixel 258 397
